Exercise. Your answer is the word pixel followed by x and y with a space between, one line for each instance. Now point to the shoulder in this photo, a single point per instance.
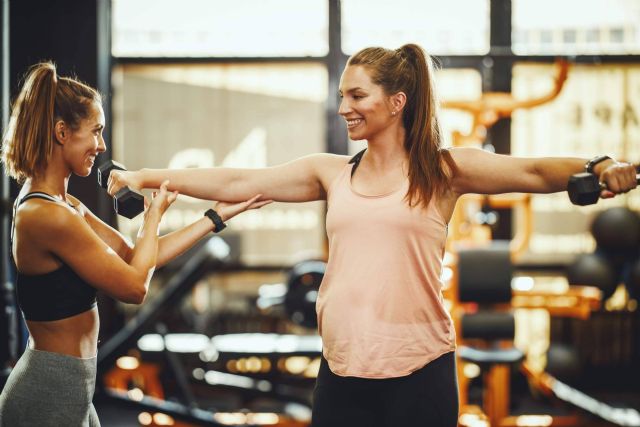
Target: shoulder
pixel 328 166
pixel 464 154
pixel 81 208
pixel 44 219
pixel 329 160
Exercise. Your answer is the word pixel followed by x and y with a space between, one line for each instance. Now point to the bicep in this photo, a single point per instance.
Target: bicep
pixel 479 171
pixel 112 237
pixel 295 181
pixel 74 242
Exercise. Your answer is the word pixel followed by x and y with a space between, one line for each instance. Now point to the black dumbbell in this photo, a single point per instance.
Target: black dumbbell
pixel 126 202
pixel 584 188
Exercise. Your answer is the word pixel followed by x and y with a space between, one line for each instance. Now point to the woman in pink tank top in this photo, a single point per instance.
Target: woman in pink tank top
pixel 388 342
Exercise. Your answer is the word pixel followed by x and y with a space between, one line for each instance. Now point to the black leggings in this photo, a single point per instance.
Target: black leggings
pixel 427 397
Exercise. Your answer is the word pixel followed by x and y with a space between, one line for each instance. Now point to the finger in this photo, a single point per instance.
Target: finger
pixel 164 185
pixel 110 186
pixel 172 197
pixel 146 202
pixel 251 201
pixel 112 182
pixel 611 183
pixel 631 177
pixel 260 204
pixel 162 191
pixel 606 194
pixel 617 184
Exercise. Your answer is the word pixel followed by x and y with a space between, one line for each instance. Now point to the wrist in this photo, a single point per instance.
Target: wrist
pixel 217 221
pixel 597 164
pixel 153 216
pixel 602 166
pixel 141 177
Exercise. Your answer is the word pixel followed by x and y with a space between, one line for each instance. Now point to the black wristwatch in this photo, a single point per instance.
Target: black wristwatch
pixel 217 221
pixel 588 167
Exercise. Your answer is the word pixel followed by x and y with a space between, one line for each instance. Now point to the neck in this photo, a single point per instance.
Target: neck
pixel 387 151
pixel 53 181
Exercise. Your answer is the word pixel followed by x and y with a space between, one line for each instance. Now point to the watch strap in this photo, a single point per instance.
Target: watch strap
pixel 591 164
pixel 217 221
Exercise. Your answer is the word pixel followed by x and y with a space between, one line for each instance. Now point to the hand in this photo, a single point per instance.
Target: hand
pixel 619 177
pixel 229 210
pixel 162 199
pixel 119 178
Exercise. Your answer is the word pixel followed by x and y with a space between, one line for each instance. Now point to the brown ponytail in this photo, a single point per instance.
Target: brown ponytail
pixel 409 70
pixel 44 99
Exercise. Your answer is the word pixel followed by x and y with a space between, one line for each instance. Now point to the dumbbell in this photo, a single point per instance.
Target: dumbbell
pixel 126 202
pixel 584 188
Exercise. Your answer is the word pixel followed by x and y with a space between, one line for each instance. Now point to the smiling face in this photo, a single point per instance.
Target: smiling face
pixel 365 106
pixel 83 144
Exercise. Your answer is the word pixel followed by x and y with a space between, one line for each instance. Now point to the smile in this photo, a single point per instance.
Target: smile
pixel 353 123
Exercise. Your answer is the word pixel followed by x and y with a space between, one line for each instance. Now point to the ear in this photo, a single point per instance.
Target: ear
pixel 61 132
pixel 398 101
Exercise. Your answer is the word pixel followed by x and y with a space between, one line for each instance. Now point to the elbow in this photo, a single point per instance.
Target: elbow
pixel 138 296
pixel 134 296
pixel 137 292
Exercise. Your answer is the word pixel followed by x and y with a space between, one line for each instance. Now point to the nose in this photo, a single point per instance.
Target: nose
pixel 344 108
pixel 102 146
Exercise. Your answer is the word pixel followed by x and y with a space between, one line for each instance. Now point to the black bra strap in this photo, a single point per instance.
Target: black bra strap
pixel 356 160
pixel 38 195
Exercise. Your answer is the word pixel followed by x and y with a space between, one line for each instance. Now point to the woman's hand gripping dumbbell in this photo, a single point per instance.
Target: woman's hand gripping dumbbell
pixel 586 188
pixel 126 202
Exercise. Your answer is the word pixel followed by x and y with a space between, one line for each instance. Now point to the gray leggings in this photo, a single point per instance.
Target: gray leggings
pixel 49 389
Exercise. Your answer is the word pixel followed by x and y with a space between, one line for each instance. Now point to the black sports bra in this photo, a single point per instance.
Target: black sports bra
pixel 55 295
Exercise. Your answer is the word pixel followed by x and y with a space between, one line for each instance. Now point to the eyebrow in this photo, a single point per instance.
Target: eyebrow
pixel 353 89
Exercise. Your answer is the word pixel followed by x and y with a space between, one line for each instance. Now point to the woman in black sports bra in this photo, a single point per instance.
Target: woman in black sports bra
pixel 64 253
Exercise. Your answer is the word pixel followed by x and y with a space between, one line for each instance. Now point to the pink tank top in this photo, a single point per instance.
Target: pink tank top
pixel 380 306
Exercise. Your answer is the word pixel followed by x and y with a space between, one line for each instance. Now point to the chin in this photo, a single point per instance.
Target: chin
pixel 83 173
pixel 355 136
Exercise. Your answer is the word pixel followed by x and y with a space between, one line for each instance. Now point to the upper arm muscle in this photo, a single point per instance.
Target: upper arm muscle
pixel 67 235
pixel 300 180
pixel 479 171
pixel 109 235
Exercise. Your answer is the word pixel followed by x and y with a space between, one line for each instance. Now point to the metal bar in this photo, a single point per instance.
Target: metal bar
pixel 336 133
pixel 176 410
pixel 161 60
pixel 9 333
pixel 212 255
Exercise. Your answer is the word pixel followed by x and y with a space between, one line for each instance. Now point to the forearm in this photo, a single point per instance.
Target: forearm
pixel 201 183
pixel 177 242
pixel 144 254
pixel 555 172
